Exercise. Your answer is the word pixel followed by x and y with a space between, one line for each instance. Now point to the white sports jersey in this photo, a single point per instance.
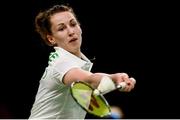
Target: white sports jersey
pixel 53 99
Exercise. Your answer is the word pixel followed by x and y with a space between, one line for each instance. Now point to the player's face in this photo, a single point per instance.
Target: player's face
pixel 66 32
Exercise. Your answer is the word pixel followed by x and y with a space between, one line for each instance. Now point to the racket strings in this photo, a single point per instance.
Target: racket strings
pixel 93 103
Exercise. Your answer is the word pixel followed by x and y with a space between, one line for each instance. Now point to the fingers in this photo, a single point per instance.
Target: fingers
pixel 130 84
pixel 123 77
pixel 133 80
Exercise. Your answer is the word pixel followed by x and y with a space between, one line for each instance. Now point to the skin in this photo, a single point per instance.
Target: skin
pixel 66 33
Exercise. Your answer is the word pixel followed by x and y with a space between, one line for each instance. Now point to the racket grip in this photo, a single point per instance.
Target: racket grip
pixel 121 86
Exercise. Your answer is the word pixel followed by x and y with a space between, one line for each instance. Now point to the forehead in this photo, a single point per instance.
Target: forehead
pixel 62 17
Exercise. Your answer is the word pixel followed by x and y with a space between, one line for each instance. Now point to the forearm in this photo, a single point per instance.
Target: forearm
pixel 77 74
pixel 98 76
pixel 109 82
pixel 80 75
pixel 95 78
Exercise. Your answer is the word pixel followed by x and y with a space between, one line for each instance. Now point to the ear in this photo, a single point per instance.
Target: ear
pixel 51 39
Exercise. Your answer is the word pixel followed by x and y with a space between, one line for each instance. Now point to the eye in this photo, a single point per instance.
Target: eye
pixel 73 23
pixel 61 27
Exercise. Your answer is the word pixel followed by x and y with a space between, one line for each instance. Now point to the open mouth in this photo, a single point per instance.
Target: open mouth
pixel 72 40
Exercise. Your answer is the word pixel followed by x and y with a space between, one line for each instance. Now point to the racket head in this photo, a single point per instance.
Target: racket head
pixel 94 104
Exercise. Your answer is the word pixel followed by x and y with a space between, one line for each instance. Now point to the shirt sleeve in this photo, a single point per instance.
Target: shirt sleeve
pixel 62 68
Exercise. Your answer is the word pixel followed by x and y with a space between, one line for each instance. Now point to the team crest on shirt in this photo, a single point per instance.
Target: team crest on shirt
pixel 53 56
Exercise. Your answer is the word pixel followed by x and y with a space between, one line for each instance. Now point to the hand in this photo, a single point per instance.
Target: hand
pixel 123 77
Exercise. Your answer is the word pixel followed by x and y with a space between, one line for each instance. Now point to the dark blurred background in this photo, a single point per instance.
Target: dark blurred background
pixel 139 38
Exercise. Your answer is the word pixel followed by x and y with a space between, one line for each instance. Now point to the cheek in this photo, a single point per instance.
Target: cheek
pixel 79 31
pixel 63 41
pixel 61 38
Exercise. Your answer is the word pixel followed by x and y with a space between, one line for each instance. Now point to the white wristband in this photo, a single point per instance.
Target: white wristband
pixel 106 85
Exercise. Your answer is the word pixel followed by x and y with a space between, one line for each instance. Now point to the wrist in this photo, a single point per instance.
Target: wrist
pixel 106 85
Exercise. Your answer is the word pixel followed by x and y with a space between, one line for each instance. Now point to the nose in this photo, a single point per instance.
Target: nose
pixel 70 31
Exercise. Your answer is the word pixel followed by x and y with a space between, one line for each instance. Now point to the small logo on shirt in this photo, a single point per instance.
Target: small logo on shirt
pixel 53 56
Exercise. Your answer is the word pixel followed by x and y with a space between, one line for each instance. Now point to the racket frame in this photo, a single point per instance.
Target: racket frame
pixel 100 95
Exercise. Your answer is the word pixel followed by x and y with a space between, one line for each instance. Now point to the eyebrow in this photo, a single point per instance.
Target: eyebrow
pixel 60 24
pixel 69 21
pixel 72 20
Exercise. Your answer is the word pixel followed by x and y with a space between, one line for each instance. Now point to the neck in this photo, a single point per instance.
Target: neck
pixel 78 54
